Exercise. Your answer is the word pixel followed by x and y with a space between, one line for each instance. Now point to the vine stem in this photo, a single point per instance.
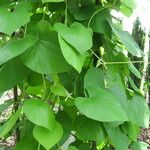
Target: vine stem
pixel 16 106
pixel 99 10
pixel 44 87
pixel 39 146
pixel 115 63
pixel 66 13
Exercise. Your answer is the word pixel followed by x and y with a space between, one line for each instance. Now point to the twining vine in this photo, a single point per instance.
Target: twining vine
pixel 69 67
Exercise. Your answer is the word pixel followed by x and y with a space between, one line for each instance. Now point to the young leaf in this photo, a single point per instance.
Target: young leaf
pixel 71 55
pixel 45 56
pixel 39 113
pixel 46 138
pixel 10 123
pixel 77 36
pixel 101 106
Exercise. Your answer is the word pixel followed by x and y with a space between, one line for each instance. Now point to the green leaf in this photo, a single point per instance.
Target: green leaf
pixel 101 106
pixel 27 144
pixel 134 71
pixel 81 10
pixel 15 47
pixel 46 138
pixel 77 35
pixel 129 3
pixel 11 21
pixel 14 69
pixel 133 85
pixel 45 56
pixel 83 130
pixel 139 146
pixel 76 59
pixel 55 1
pixel 94 79
pixel 71 147
pixel 127 40
pixel 39 113
pixel 140 111
pixel 9 124
pixel 99 23
pixel 126 10
pixel 131 130
pixel 119 140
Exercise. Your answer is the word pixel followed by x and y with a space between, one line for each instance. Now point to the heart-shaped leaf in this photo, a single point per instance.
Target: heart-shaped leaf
pixel 39 113
pixel 46 138
pixel 77 35
pixel 101 106
pixel 45 56
pixel 76 59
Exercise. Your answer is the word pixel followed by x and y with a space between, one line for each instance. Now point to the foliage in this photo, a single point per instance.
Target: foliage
pixel 68 60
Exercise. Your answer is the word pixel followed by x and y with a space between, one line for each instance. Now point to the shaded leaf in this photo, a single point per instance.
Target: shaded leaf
pixel 14 69
pixel 45 56
pixel 83 130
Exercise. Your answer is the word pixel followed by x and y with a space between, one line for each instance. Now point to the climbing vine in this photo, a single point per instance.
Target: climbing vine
pixel 67 63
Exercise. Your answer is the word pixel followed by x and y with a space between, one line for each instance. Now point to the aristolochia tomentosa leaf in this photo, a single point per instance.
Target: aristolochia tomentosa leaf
pixel 45 55
pixel 101 106
pixel 15 47
pixel 48 138
pixel 39 113
pixel 73 57
pixel 77 36
pixel 13 20
pixel 14 69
